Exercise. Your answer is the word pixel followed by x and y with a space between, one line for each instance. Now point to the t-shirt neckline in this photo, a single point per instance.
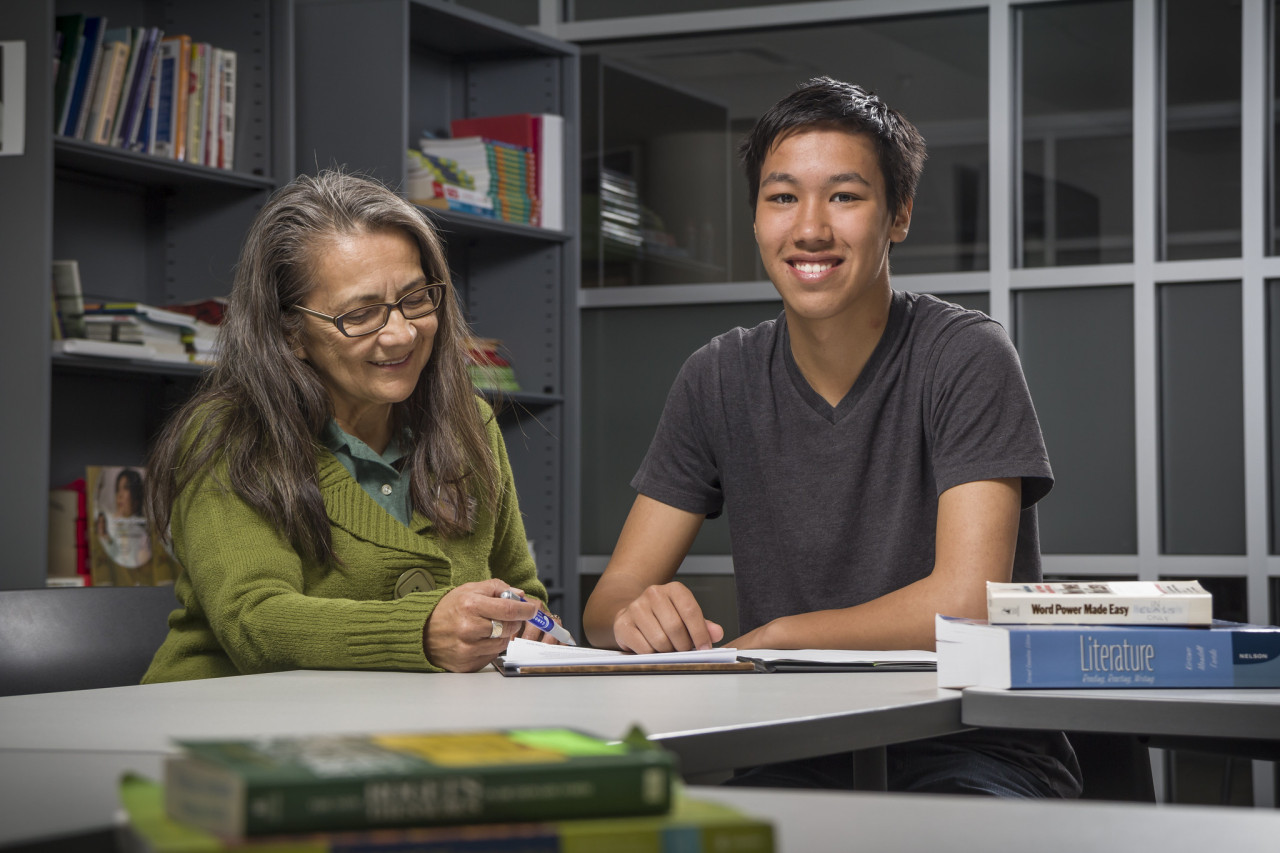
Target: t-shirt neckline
pixel 815 401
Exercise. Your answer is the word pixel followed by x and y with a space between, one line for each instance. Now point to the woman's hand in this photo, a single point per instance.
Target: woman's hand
pixel 472 624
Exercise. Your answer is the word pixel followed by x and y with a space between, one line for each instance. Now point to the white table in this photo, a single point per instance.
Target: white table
pixel 714 722
pixel 804 821
pixel 1234 714
pixel 1241 723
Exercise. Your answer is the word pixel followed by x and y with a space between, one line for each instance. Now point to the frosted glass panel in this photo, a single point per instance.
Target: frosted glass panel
pixel 662 118
pixel 1202 129
pixel 630 357
pixel 1077 353
pixel 1076 198
pixel 1201 419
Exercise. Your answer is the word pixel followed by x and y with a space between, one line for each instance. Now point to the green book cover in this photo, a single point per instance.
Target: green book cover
pixel 692 826
pixel 315 783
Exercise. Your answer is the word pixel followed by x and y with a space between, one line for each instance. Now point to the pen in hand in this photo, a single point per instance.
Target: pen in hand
pixel 542 621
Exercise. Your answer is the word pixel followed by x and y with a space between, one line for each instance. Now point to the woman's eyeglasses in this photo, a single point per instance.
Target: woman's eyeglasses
pixel 370 318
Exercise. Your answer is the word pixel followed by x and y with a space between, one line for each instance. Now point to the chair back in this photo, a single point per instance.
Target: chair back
pixel 79 638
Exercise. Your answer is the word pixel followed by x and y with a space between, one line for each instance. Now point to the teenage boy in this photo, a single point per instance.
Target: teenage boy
pixel 877 450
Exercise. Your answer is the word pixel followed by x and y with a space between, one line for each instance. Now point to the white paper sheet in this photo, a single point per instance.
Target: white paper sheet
pixel 527 653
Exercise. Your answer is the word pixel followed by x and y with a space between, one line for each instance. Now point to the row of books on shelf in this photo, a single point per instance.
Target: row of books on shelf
pixel 139 89
pixel 534 789
pixel 127 329
pixel 99 533
pixel 507 167
pixel 1117 634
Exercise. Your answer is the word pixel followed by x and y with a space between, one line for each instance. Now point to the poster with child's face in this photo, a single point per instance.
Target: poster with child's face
pixel 119 524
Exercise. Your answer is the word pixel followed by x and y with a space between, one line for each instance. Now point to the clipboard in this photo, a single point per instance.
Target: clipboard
pixel 625 668
pixel 537 659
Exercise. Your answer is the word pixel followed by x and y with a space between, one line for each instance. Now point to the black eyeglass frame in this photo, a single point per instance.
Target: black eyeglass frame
pixel 386 318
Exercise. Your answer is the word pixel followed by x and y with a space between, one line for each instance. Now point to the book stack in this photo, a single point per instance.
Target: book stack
pixel 440 183
pixel 162 334
pixel 537 789
pixel 542 134
pixel 489 370
pixel 136 88
pixel 1119 634
pixel 503 172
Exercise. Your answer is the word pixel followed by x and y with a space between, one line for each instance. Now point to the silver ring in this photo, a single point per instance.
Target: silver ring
pixel 496 631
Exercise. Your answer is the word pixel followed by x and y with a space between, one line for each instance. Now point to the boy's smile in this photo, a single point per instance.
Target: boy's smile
pixel 823 225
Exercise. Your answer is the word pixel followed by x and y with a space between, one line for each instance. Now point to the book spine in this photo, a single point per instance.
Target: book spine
pixel 106 126
pixel 85 66
pixel 227 123
pixel 1143 657
pixel 93 91
pixel 1032 609
pixel 509 794
pixel 71 32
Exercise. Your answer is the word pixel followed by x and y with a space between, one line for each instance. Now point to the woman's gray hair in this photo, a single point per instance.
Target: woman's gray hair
pixel 261 409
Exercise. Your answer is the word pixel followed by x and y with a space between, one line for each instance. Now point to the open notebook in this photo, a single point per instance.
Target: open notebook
pixel 525 657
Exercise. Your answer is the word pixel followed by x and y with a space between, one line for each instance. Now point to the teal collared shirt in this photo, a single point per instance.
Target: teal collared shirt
pixel 377 474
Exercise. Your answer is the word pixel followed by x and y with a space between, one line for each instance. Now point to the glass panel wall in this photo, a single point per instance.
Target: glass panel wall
pixel 1201 419
pixel 1076 347
pixel 630 359
pixel 594 10
pixel 1273 412
pixel 523 12
pixel 681 105
pixel 1202 130
pixel 1076 109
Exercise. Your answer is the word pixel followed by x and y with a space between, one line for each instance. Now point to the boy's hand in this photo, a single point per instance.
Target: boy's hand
pixel 664 618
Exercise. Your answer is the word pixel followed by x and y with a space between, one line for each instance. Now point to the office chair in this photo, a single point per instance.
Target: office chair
pixel 1114 767
pixel 73 639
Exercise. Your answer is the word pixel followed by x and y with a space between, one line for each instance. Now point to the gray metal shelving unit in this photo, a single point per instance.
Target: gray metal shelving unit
pixel 141 228
pixel 372 77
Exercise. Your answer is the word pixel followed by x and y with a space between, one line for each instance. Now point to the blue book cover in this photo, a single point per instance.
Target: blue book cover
pixel 1226 654
pixel 93 29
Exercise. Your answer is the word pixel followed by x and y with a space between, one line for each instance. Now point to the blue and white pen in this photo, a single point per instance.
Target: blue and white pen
pixel 542 621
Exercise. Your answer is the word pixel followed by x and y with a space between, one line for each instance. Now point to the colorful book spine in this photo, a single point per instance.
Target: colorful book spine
pixel 309 784
pixel 693 825
pixel 1100 603
pixel 974 653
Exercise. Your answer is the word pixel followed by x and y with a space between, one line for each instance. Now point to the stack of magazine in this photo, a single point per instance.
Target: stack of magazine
pixel 528 789
pixel 1117 634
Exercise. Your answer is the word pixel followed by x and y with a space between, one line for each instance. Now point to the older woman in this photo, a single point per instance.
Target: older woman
pixel 337 494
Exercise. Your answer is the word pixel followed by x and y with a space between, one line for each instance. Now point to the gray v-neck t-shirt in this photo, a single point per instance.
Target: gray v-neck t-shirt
pixel 829 507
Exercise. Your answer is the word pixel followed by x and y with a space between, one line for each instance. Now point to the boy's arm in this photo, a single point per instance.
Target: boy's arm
pixel 635 606
pixel 976 537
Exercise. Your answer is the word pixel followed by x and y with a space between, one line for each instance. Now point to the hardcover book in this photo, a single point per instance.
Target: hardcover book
pixel 974 653
pixel 692 826
pixel 1100 603
pixel 316 783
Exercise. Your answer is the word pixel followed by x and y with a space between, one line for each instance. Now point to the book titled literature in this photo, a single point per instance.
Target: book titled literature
pixel 974 653
pixel 1100 603
pixel 316 783
pixel 693 825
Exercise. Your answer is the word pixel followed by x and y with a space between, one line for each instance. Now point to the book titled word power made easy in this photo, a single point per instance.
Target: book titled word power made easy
pixel 974 653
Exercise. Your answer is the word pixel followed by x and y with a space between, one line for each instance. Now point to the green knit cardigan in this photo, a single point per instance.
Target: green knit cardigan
pixel 250 603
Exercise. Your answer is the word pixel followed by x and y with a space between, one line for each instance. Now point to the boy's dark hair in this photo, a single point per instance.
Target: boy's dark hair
pixel 824 102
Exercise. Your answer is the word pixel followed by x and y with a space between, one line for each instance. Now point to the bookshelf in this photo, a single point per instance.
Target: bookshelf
pixel 142 228
pixel 372 77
